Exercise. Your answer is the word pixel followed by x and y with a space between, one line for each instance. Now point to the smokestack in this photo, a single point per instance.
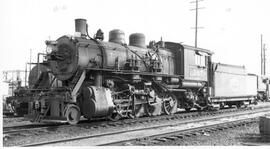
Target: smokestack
pixel 81 26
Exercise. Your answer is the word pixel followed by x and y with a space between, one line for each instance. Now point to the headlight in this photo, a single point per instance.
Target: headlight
pixel 49 49
pixel 51 45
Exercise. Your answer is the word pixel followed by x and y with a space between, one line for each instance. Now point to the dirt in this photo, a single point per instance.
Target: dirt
pixel 14 121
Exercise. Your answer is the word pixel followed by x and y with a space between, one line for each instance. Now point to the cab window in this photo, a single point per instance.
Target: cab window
pixel 199 59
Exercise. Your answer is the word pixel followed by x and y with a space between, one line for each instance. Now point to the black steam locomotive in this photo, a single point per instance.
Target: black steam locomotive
pixel 115 80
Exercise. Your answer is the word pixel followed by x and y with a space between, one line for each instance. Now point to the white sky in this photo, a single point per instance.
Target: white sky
pixel 232 28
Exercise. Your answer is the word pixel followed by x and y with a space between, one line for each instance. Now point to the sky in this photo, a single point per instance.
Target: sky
pixel 231 28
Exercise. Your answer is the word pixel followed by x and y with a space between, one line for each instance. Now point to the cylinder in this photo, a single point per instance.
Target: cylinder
pixel 117 36
pixel 81 26
pixel 137 40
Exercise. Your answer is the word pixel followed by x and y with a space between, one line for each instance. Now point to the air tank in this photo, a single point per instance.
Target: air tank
pixel 137 40
pixel 117 36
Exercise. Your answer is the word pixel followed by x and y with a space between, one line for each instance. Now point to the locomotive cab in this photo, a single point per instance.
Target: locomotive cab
pixel 193 65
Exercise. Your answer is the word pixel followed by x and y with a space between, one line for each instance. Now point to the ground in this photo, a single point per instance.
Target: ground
pixel 245 135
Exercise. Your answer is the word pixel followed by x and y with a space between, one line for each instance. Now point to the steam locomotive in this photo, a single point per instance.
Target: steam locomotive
pixel 99 79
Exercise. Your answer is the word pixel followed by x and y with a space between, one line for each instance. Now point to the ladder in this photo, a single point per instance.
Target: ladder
pixel 38 116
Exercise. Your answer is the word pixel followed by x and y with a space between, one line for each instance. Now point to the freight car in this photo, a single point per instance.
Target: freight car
pixel 115 80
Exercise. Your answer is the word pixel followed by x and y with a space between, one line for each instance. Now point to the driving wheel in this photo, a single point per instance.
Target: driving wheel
pixel 169 104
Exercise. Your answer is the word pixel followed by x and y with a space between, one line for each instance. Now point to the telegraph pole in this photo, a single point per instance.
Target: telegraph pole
pixel 261 54
pixel 196 24
pixel 25 74
pixel 30 60
pixel 196 19
pixel 263 57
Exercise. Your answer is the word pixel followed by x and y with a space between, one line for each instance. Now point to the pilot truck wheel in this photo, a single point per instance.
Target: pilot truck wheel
pixel 73 114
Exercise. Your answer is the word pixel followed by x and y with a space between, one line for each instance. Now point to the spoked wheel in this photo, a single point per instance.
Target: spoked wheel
pixel 139 111
pixel 114 117
pixel 188 109
pixel 188 106
pixel 200 109
pixel 150 110
pixel 73 114
pixel 169 104
pixel 153 110
pixel 238 105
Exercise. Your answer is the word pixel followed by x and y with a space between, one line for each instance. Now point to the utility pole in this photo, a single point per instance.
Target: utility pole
pixel 263 57
pixel 25 75
pixel 196 20
pixel 30 60
pixel 196 24
pixel 261 54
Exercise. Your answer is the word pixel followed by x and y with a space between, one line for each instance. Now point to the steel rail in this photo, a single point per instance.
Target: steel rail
pixel 140 129
pixel 33 127
pixel 183 132
pixel 101 124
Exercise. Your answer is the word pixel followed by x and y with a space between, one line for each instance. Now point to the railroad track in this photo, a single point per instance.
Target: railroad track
pixel 100 124
pixel 29 127
pixel 16 133
pixel 10 116
pixel 185 134
pixel 158 130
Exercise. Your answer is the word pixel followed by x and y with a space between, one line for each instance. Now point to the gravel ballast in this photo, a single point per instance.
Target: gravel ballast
pixel 244 135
